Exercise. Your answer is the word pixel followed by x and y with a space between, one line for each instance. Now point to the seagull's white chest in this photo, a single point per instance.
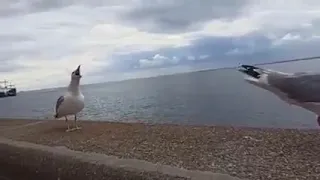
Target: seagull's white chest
pixel 71 105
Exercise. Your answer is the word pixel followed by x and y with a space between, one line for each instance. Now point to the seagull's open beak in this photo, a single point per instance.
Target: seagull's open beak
pixel 243 69
pixel 77 72
pixel 249 70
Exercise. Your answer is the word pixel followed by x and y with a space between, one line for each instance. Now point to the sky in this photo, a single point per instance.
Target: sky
pixel 43 41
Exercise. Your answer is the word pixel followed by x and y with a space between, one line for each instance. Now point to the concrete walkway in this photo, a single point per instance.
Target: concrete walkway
pixel 246 153
pixel 23 160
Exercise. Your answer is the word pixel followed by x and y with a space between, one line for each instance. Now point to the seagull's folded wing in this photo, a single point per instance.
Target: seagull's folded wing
pixel 59 102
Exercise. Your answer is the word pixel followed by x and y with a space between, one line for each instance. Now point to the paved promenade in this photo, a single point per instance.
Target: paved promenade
pixel 102 150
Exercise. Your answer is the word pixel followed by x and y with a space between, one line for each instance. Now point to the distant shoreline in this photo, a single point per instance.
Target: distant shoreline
pixel 251 153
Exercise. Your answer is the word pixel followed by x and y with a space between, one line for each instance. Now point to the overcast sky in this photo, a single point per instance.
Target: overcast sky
pixel 42 41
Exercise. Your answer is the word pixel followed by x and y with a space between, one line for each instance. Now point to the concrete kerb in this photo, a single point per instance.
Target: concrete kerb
pixel 138 168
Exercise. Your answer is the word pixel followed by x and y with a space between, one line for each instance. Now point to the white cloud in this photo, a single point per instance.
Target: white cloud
pixel 54 41
pixel 128 39
pixel 191 58
pixel 203 57
pixel 200 57
pixel 288 38
pixel 64 38
pixel 157 60
pixel 234 51
pixel 266 17
pixel 237 27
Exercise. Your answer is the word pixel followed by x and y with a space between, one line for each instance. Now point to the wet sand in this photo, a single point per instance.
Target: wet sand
pixel 252 153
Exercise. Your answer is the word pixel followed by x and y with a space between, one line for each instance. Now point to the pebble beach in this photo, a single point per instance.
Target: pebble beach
pixel 248 153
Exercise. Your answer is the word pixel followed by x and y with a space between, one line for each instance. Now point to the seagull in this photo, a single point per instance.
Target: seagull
pixel 300 89
pixel 72 102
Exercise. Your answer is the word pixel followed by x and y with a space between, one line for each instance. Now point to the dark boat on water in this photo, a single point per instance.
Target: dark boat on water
pixel 7 89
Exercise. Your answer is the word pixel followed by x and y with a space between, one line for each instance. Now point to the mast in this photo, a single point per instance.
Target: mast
pixel 7 89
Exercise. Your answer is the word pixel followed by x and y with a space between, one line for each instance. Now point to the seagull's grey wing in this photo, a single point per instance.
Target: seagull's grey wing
pixel 302 87
pixel 59 102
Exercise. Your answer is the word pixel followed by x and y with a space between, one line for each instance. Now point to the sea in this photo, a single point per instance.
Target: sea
pixel 214 97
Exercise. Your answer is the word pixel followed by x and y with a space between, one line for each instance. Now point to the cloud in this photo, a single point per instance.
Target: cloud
pixel 22 7
pixel 191 58
pixel 181 15
pixel 43 41
pixel 157 61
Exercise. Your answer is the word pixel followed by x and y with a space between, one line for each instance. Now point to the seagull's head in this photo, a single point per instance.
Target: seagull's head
pixel 76 73
pixel 249 70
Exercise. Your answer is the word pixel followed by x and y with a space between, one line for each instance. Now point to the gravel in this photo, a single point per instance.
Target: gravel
pixel 251 153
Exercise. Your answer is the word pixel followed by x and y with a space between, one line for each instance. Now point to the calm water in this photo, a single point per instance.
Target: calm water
pixel 205 98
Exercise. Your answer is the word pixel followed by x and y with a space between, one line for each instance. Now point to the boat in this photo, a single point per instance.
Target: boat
pixel 7 89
